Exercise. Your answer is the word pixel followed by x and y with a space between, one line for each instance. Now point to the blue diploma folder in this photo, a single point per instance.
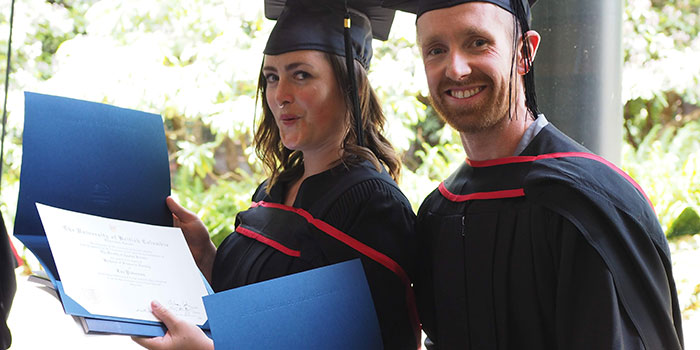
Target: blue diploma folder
pixel 95 159
pixel 325 308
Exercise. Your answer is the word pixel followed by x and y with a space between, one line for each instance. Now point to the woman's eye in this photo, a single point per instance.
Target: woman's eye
pixel 301 75
pixel 271 78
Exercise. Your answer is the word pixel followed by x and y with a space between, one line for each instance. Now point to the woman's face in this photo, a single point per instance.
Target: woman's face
pixel 305 100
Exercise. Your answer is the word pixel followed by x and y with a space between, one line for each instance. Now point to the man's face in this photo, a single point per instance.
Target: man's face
pixel 467 52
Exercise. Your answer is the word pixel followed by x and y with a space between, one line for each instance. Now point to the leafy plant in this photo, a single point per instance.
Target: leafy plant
pixel 687 223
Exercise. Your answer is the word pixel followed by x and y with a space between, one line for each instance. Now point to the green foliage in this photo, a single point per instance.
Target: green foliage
pixel 688 223
pixel 660 37
pixel 662 105
pixel 667 166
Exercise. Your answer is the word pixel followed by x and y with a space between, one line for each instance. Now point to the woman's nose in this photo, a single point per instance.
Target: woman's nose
pixel 283 93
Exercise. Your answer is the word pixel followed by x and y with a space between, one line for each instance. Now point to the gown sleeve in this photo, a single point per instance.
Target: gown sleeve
pixel 379 215
pixel 588 311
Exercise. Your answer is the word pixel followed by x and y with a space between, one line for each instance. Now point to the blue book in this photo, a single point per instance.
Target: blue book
pixel 325 308
pixel 95 159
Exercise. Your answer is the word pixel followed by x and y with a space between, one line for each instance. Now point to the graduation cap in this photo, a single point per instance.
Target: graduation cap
pixel 319 25
pixel 420 7
pixel 341 27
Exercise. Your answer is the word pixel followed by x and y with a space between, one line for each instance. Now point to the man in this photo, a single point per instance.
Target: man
pixel 534 242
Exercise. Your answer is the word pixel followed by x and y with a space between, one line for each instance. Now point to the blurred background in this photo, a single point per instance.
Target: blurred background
pixel 196 63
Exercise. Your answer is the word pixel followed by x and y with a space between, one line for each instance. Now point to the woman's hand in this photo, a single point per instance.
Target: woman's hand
pixel 180 335
pixel 197 237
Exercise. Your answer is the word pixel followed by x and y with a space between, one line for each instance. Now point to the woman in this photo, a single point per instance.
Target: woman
pixel 308 142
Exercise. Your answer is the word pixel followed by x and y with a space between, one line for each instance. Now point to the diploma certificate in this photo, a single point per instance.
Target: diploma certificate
pixel 116 268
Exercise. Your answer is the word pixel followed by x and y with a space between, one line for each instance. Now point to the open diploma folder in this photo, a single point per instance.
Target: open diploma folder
pixel 115 268
pixel 94 159
pixel 325 308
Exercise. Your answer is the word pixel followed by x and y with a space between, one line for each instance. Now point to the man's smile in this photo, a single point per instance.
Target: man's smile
pixel 464 93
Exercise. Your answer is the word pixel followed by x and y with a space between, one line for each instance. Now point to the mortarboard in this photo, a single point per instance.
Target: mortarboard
pixel 318 25
pixel 341 27
pixel 420 7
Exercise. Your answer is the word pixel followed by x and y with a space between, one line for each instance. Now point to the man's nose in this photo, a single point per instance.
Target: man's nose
pixel 458 66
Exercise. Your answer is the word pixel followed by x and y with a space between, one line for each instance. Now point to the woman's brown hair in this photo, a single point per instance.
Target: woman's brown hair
pixel 284 164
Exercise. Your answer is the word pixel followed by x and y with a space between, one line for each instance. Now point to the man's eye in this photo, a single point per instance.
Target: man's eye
pixel 479 42
pixel 436 51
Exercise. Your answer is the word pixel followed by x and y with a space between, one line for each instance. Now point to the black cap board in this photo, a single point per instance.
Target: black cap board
pixel 420 7
pixel 318 25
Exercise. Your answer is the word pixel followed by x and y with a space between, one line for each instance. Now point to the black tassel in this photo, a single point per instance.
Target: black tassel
pixel 521 15
pixel 350 62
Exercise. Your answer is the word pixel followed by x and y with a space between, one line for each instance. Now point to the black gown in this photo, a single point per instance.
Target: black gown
pixel 7 284
pixel 340 214
pixel 552 249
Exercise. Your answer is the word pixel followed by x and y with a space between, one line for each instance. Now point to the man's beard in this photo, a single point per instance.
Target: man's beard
pixel 474 118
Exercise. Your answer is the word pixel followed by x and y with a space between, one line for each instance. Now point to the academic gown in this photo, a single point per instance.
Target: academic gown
pixel 553 249
pixel 8 284
pixel 338 215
